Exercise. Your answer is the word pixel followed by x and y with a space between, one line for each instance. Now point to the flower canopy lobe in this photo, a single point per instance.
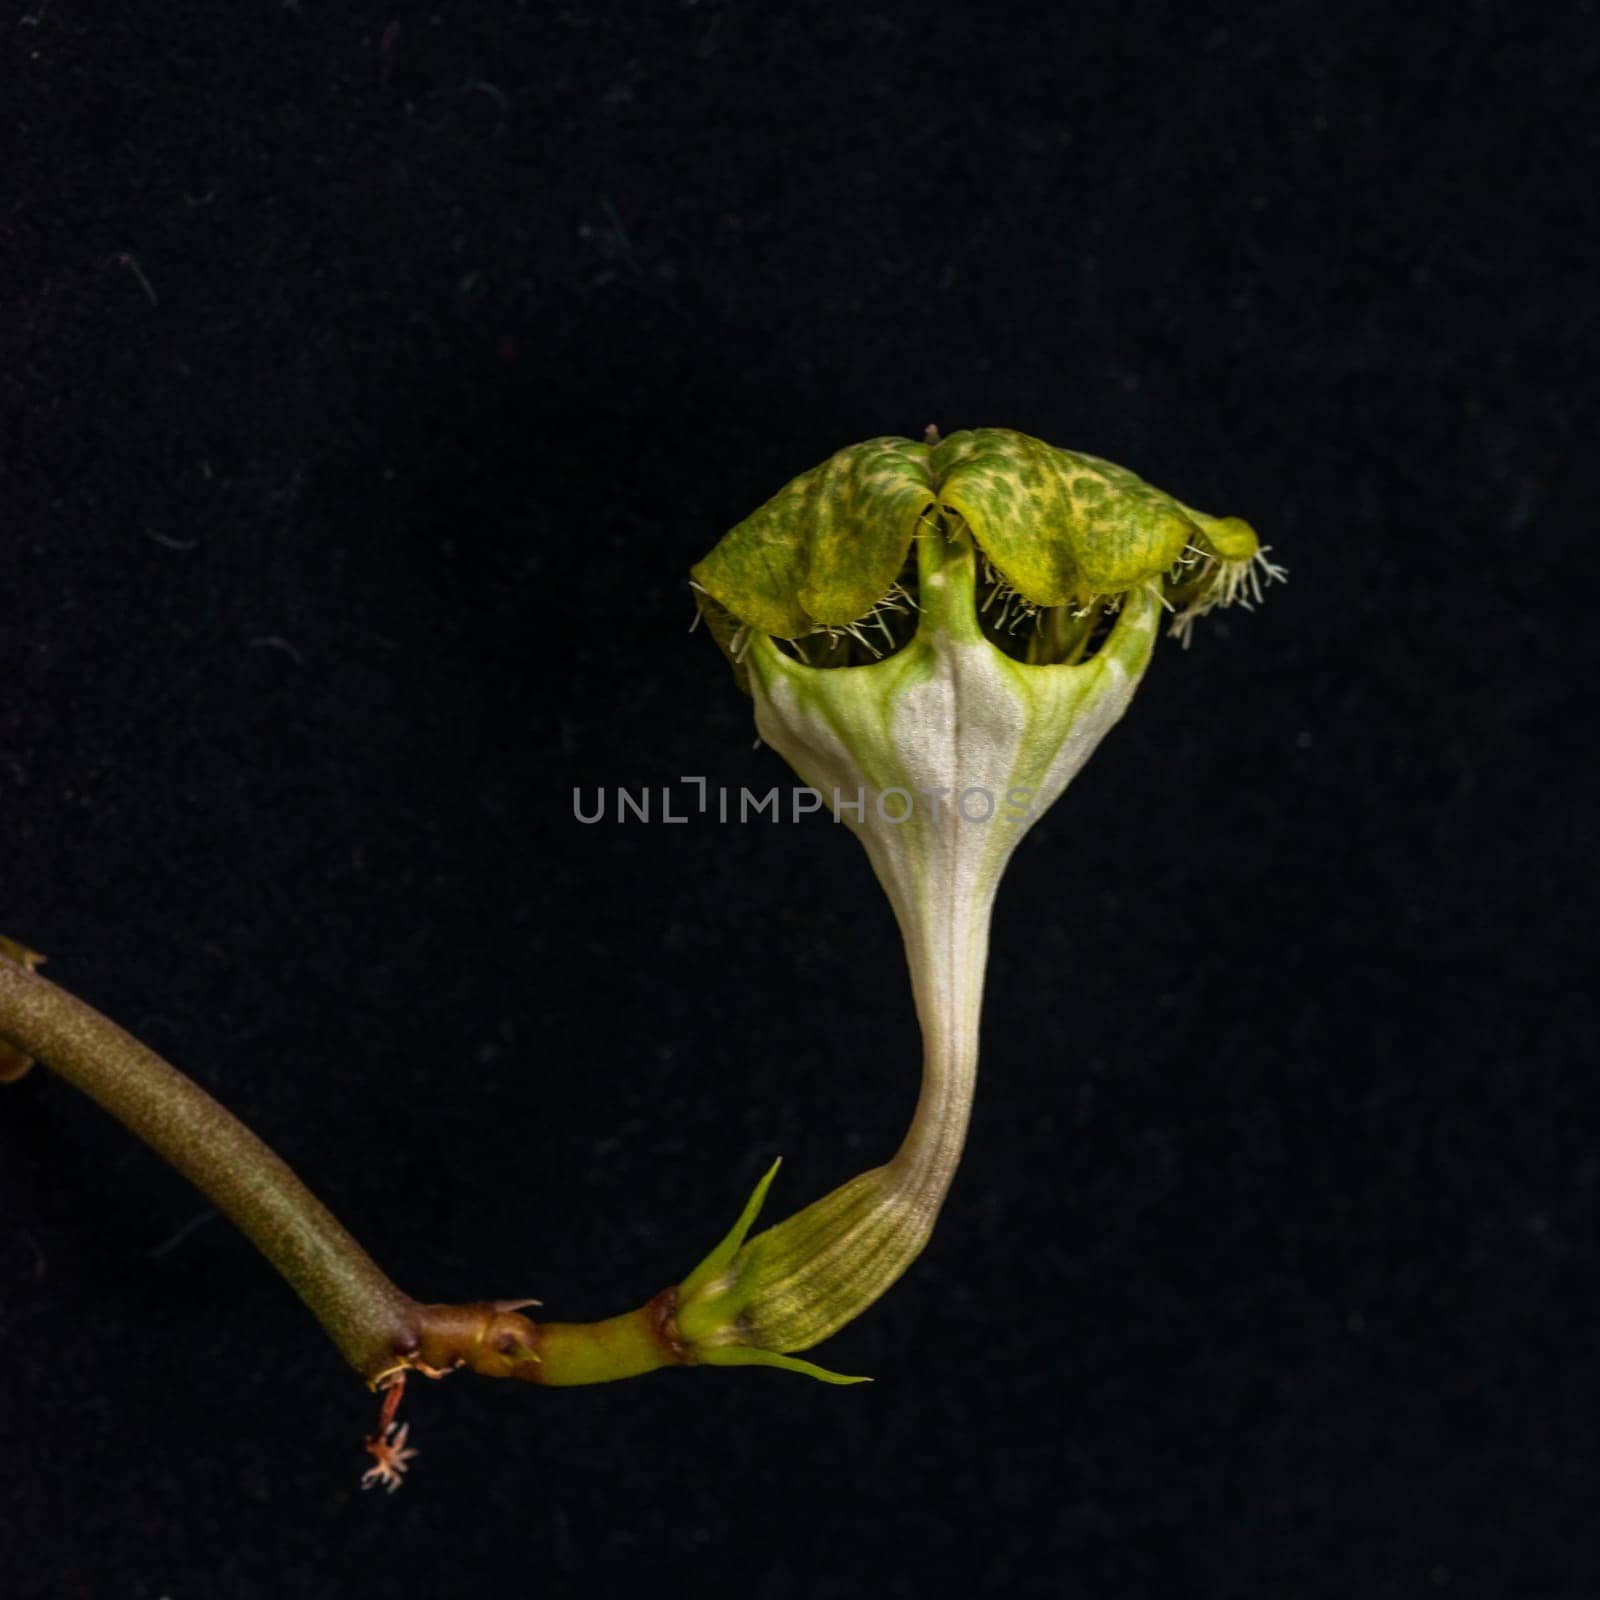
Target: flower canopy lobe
pixel 827 546
pixel 830 553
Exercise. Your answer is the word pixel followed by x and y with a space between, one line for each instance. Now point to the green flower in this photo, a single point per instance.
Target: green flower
pixel 936 636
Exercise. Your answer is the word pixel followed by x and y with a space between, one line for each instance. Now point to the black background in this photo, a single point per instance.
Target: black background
pixel 371 377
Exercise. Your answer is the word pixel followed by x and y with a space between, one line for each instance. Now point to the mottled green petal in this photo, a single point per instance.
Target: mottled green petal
pixel 756 570
pixel 828 546
pixel 864 514
pixel 1058 525
pixel 1013 497
pixel 1131 531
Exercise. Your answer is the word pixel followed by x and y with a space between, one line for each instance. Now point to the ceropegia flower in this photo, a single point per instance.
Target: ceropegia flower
pixel 936 635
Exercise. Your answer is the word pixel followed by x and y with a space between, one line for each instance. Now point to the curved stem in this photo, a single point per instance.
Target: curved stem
pixel 378 1329
pixel 254 1188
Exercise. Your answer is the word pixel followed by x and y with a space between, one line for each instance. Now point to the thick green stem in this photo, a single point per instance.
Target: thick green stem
pixel 362 1311
pixel 379 1330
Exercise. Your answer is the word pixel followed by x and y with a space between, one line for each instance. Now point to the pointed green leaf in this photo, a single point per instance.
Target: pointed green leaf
pixel 720 1258
pixel 743 1355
